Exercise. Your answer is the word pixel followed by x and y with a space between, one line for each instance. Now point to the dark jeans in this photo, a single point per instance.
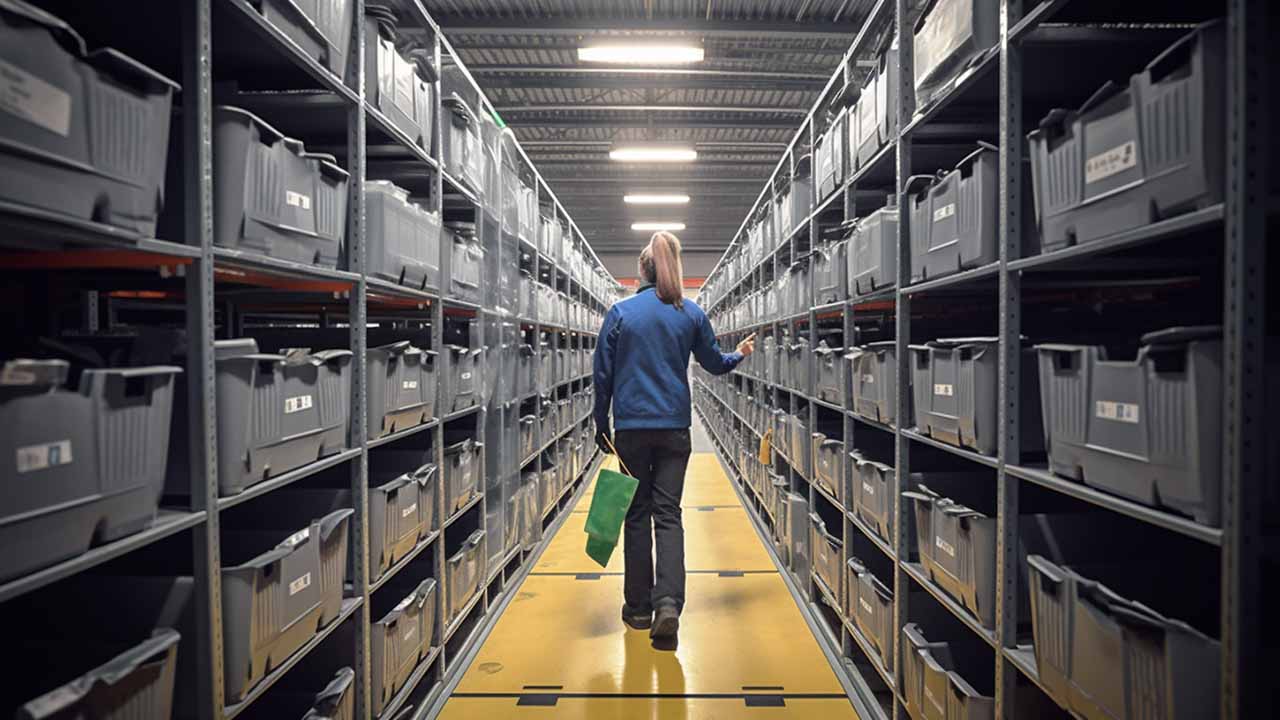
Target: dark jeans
pixel 658 459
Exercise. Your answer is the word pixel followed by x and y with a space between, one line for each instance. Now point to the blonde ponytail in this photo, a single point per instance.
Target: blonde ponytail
pixel 660 264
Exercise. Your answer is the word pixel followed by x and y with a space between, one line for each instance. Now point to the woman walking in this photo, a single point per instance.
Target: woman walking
pixel 641 368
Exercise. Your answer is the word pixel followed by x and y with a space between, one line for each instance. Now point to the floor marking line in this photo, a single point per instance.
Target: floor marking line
pixel 619 573
pixel 654 696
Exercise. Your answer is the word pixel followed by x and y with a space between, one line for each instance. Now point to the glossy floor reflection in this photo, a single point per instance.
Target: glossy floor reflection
pixel 560 649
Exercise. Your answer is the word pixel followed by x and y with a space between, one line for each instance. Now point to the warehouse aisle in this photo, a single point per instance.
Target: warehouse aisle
pixel 560 649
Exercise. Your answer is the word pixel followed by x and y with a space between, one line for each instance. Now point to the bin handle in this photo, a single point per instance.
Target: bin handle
pixel 1108 89
pixel 326 700
pixel 138 372
pixel 423 474
pixel 1179 52
pixel 115 670
pixel 331 522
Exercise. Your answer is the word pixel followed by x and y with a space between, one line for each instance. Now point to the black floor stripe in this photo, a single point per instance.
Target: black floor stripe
pixel 656 696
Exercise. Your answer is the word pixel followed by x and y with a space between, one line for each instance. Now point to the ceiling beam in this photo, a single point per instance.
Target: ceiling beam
pixel 588 107
pixel 453 25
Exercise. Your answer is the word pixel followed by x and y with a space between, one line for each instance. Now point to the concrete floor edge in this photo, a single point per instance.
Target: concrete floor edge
pixel 854 687
pixel 436 701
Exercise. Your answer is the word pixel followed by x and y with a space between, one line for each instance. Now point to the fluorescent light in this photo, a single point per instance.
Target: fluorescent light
pixel 657 226
pixel 653 154
pixel 641 54
pixel 655 199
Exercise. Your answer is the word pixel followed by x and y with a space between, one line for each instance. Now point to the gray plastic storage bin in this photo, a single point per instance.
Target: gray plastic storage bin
pixel 399 641
pixel 874 611
pixel 957 550
pixel 863 131
pixel 873 257
pixel 402 511
pixel 528 298
pixel 399 82
pixel 276 412
pixel 462 377
pixel 829 373
pixel 828 556
pixel 321 29
pixel 797 527
pixel 831 273
pixel 403 238
pixel 137 683
pixel 89 464
pixel 462 155
pixel 463 471
pixel 950 36
pixel 337 701
pixel 273 198
pixel 873 379
pixel 1135 154
pixel 467 263
pixel 921 660
pixel 828 464
pixel 800 365
pixel 86 133
pixel 800 445
pixel 1106 657
pixel 274 602
pixel 801 190
pixel 510 189
pixel 954 218
pixel 1148 429
pixel 830 153
pixel 401 387
pixel 874 485
pixel 528 436
pixel 464 572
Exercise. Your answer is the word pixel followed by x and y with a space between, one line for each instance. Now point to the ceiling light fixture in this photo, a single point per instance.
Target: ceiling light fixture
pixel 653 153
pixel 657 226
pixel 642 54
pixel 655 199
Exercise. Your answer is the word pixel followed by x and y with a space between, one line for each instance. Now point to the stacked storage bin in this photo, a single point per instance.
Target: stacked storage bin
pixel 954 217
pixel 399 641
pixel 402 507
pixel 403 238
pixel 873 250
pixel 463 158
pixel 397 84
pixel 948 37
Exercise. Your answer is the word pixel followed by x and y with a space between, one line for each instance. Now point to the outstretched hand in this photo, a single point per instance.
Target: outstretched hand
pixel 748 345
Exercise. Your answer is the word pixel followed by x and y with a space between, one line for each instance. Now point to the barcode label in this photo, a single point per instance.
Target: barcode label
pixel 868 489
pixel 1109 162
pixel 944 212
pixel 866 607
pixel 409 385
pixel 409 510
pixel 944 389
pixel 297 404
pixel 40 457
pixel 1117 411
pixel 944 546
pixel 297 199
pixel 34 100
pixel 300 584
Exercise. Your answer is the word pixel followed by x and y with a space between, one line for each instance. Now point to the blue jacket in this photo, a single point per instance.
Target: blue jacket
pixel 642 362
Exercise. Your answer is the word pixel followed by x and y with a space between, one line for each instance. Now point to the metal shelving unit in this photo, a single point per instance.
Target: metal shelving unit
pixel 216 290
pixel 995 99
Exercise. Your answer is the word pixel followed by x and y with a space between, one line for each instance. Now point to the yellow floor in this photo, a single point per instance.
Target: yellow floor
pixel 560 649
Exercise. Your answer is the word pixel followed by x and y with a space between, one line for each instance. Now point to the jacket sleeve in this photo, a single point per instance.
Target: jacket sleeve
pixel 706 349
pixel 602 367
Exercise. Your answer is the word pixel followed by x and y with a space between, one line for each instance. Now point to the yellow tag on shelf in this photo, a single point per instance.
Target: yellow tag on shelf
pixel 766 447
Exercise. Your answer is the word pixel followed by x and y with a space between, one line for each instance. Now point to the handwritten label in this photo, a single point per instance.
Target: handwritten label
pixel 1109 162
pixel 944 546
pixel 300 584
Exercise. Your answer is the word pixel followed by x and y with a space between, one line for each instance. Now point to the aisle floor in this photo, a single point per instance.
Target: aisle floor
pixel 560 649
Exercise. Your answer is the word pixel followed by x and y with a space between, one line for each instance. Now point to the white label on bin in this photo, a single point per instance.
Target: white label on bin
pixel 410 633
pixel 866 607
pixel 944 389
pixel 12 375
pixel 298 538
pixel 944 546
pixel 300 584
pixel 944 212
pixel 1118 411
pixel 869 379
pixel 409 510
pixel 1109 162
pixel 868 489
pixel 39 457
pixel 409 385
pixel 297 199
pixel 297 404
pixel 34 100
pixel 465 376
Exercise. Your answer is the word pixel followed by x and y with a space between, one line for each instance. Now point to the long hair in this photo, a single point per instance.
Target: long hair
pixel 660 264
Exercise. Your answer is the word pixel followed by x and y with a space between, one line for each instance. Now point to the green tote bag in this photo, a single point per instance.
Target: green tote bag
pixel 609 505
